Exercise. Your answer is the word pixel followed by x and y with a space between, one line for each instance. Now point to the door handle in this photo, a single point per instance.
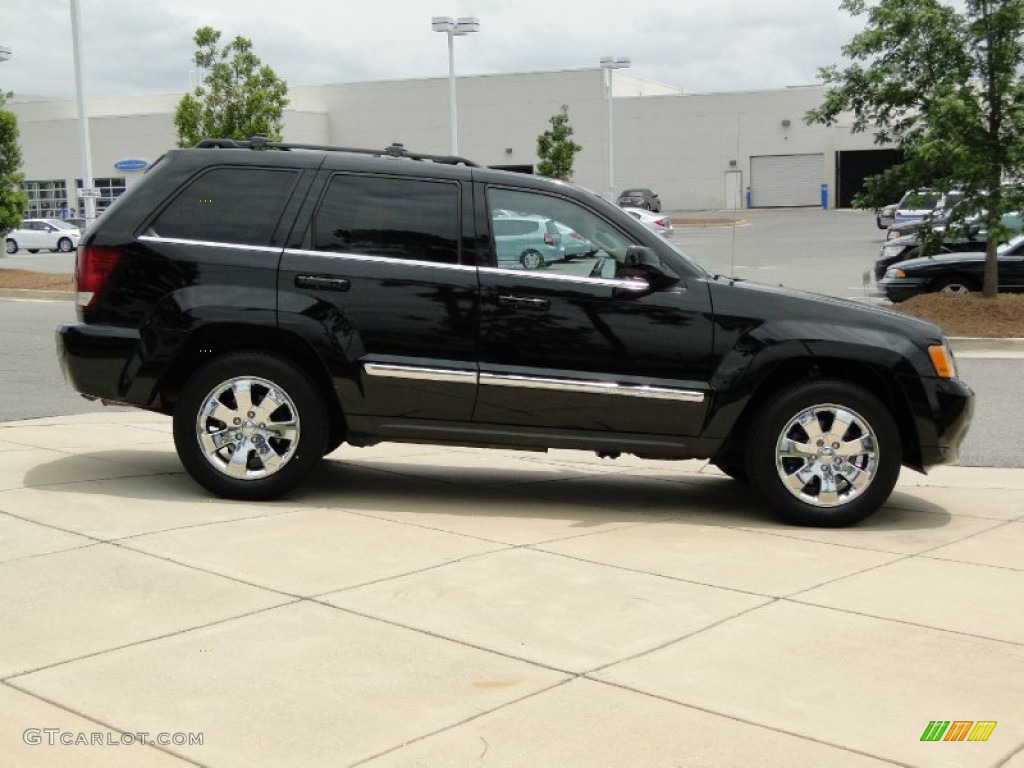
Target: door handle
pixel 323 283
pixel 524 302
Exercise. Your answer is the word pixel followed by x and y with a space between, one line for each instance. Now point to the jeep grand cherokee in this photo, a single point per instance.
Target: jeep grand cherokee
pixel 278 300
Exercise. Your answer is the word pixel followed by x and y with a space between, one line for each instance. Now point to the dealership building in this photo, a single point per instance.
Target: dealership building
pixel 698 151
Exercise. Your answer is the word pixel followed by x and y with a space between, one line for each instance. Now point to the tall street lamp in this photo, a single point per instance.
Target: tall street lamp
pixel 454 28
pixel 611 63
pixel 83 121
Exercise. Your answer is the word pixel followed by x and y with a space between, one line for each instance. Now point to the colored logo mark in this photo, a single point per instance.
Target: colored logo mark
pixel 958 730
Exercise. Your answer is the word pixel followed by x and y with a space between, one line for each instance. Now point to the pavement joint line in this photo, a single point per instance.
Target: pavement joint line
pixel 47 486
pixel 1009 568
pixel 904 622
pixel 92 719
pixel 1006 761
pixel 47 554
pixel 464 721
pixel 667 576
pixel 144 641
pixel 754 723
pixel 783 533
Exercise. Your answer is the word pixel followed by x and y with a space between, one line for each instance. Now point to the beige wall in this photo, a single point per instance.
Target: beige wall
pixel 678 144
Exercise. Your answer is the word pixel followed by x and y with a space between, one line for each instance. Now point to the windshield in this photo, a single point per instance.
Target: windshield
pixel 62 224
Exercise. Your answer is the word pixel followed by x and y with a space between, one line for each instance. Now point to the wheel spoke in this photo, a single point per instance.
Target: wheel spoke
pixel 809 422
pixel 237 466
pixel 799 480
pixel 211 442
pixel 215 409
pixel 285 430
pixel 841 424
pixel 858 478
pixel 242 390
pixel 270 403
pixel 792 449
pixel 857 447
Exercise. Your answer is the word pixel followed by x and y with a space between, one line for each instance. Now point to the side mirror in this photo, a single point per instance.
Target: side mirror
pixel 642 258
pixel 642 262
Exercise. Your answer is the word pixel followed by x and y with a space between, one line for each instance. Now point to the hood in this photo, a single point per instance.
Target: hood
pixel 740 297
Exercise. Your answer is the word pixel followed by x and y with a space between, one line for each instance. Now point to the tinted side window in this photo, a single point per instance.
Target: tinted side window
pixel 385 216
pixel 228 205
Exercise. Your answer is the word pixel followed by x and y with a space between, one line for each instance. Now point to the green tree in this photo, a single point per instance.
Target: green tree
pixel 238 97
pixel 944 87
pixel 556 149
pixel 13 199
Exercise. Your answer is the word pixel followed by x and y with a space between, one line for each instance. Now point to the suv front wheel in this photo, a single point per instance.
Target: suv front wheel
pixel 250 426
pixel 824 453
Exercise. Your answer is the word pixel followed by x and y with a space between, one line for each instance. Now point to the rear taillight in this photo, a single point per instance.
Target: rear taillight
pixel 92 268
pixel 661 222
pixel 548 239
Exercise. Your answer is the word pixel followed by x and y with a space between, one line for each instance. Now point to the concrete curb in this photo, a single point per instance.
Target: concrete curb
pixel 30 293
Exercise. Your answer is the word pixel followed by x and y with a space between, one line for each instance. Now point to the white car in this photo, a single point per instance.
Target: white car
pixel 659 222
pixel 35 235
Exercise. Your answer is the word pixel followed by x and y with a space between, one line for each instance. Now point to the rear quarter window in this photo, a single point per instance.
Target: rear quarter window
pixel 400 218
pixel 227 205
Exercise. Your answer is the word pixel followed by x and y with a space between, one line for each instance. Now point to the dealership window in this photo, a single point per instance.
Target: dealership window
pixel 110 189
pixel 47 199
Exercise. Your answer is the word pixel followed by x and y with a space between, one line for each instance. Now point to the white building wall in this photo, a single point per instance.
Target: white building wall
pixel 680 145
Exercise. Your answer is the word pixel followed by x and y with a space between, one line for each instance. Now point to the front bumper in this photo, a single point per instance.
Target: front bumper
pixel 899 289
pixel 942 420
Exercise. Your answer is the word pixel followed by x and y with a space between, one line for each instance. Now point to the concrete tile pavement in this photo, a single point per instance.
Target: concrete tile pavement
pixel 421 606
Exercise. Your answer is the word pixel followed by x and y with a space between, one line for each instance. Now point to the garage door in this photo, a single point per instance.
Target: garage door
pixel 786 180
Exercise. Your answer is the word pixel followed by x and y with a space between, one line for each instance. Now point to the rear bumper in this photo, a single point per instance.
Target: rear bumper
pixel 98 361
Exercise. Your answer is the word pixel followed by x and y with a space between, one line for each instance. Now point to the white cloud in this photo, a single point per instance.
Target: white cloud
pixel 132 46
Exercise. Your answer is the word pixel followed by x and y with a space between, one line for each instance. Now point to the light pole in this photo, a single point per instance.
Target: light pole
pixel 610 64
pixel 454 28
pixel 83 121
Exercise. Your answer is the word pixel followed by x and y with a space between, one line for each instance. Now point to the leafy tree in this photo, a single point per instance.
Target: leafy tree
pixel 945 87
pixel 13 199
pixel 238 97
pixel 556 149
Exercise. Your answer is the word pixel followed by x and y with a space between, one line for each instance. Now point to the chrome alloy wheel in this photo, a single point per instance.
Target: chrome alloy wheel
pixel 827 455
pixel 247 428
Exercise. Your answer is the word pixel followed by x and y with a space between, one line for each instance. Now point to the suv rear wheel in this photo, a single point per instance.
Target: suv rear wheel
pixel 824 453
pixel 250 426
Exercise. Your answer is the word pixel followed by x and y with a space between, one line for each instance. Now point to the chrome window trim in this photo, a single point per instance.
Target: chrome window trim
pixel 418 373
pixel 592 387
pixel 638 286
pixel 209 244
pixel 379 259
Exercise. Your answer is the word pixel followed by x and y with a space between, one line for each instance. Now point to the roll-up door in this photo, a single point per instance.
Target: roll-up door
pixel 786 180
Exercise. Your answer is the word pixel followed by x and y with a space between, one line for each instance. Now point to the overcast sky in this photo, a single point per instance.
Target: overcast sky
pixel 145 46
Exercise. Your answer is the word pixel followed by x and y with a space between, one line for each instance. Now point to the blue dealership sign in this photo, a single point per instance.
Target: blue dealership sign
pixel 131 164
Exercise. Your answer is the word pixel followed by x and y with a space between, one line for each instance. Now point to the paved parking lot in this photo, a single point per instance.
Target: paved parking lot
pixel 421 606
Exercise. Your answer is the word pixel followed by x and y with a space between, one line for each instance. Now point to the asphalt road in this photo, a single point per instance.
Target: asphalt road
pixel 33 386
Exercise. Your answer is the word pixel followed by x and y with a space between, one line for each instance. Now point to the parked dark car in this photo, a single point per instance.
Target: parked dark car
pixel 640 198
pixel 909 247
pixel 956 273
pixel 355 296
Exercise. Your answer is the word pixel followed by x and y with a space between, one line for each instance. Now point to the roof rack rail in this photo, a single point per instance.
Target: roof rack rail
pixel 260 142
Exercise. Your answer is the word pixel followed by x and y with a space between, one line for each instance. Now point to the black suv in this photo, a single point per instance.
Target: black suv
pixel 278 300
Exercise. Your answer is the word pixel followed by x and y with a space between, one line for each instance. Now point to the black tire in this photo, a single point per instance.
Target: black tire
pixel 865 425
pixel 64 245
pixel 11 246
pixel 955 285
pixel 295 443
pixel 531 259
